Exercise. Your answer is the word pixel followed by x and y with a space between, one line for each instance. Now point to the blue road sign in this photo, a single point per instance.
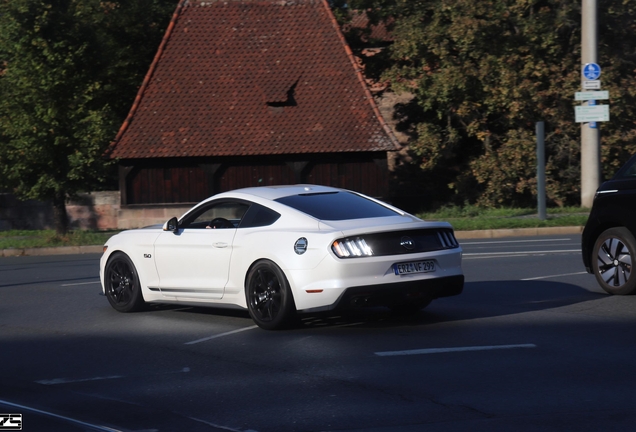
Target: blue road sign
pixel 591 71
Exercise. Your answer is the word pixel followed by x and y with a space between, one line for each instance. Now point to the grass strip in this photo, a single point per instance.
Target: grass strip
pixel 467 218
pixel 464 218
pixel 22 239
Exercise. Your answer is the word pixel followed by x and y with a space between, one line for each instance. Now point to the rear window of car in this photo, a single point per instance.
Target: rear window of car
pixel 336 206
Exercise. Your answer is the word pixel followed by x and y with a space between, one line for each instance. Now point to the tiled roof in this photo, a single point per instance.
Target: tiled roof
pixel 252 77
pixel 376 32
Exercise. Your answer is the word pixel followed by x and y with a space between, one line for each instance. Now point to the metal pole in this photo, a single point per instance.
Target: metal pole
pixel 590 142
pixel 541 195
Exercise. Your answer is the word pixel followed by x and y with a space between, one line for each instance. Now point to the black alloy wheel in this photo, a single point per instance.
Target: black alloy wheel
pixel 122 284
pixel 269 298
pixel 612 257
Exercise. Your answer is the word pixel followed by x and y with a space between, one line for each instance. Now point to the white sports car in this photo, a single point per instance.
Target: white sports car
pixel 282 250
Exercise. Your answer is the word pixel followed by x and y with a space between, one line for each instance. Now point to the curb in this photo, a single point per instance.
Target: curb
pixel 461 235
pixel 518 232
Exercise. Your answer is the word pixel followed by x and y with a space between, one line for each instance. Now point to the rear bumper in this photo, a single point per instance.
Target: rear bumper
pixel 397 293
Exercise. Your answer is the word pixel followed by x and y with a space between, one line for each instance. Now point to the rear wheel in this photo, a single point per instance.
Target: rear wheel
pixel 269 298
pixel 612 257
pixel 123 290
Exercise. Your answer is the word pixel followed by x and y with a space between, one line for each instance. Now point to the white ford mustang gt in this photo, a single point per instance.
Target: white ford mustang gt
pixel 277 251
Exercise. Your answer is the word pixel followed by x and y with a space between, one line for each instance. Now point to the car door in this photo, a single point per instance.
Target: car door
pixel 194 261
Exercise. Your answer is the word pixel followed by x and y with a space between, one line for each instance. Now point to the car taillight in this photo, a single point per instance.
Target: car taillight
pixel 351 248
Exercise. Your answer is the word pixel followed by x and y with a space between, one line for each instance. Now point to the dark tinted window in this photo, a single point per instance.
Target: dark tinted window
pixel 336 206
pixel 629 170
pixel 258 216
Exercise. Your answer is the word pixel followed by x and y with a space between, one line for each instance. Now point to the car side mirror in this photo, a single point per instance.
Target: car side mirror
pixel 171 225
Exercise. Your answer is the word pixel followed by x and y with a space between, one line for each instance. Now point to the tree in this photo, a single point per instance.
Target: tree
pixel 484 72
pixel 68 74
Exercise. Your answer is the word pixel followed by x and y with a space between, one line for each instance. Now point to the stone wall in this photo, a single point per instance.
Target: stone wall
pixel 94 211
pixel 24 215
pixel 138 217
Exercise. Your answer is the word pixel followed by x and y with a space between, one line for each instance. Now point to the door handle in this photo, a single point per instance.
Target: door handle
pixel 220 245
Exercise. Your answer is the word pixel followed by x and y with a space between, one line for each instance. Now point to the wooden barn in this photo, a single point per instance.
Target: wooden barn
pixel 247 93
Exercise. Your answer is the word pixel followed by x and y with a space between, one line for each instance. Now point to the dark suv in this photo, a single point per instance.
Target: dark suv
pixel 608 243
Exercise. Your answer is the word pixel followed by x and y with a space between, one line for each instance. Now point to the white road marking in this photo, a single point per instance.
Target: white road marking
pixel 493 257
pixel 514 241
pixel 81 283
pixel 520 253
pixel 220 335
pixel 56 381
pixel 220 427
pixel 349 325
pixel 554 276
pixel 72 420
pixel 447 350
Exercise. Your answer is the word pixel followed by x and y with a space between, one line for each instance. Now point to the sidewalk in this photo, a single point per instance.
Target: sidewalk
pixel 461 235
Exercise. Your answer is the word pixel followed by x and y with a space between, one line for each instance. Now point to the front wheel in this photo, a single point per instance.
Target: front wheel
pixel 269 298
pixel 123 289
pixel 612 258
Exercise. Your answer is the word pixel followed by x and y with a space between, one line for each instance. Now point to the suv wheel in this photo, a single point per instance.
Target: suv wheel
pixel 612 258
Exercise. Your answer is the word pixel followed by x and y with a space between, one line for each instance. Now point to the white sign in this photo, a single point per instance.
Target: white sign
pixel 595 113
pixel 593 95
pixel 591 85
pixel 591 71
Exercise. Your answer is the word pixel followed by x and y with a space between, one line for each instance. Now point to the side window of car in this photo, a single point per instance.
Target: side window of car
pixel 259 216
pixel 217 215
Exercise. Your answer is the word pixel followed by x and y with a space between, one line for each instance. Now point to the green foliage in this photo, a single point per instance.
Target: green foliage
pixel 64 66
pixel 483 73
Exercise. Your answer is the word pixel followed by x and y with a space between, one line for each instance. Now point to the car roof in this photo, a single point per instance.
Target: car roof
pixel 275 192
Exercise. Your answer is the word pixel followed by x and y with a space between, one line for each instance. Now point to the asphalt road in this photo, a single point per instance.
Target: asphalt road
pixel 532 344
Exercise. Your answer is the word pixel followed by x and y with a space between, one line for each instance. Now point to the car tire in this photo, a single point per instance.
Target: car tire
pixel 612 257
pixel 122 286
pixel 269 298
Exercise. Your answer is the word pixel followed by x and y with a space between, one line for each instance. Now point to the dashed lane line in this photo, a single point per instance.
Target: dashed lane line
pixel 512 241
pixel 220 335
pixel 80 283
pixel 450 350
pixel 553 276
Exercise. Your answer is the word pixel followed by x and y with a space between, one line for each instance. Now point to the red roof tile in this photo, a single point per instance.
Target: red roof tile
pixel 259 77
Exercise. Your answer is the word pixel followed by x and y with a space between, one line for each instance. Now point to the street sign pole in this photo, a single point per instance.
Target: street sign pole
pixel 590 142
pixel 592 102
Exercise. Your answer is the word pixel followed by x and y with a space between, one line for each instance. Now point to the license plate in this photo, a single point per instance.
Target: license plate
pixel 414 267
